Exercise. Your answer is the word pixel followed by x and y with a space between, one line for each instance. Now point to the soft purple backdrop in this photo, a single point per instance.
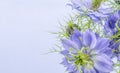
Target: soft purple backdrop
pixel 24 37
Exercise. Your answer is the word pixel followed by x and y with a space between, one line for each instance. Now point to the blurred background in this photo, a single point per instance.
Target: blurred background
pixel 25 37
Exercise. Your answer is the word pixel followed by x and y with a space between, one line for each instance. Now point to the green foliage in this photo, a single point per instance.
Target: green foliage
pixel 78 22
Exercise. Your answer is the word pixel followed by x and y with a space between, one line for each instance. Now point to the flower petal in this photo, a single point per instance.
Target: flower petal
pixel 71 68
pixel 89 70
pixel 89 39
pixel 103 63
pixel 67 44
pixel 119 57
pixel 108 51
pixel 101 44
pixel 76 38
pixel 65 62
pixel 64 52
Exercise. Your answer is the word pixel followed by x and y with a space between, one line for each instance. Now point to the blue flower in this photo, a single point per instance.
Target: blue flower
pixel 115 49
pixel 86 53
pixel 95 9
pixel 111 24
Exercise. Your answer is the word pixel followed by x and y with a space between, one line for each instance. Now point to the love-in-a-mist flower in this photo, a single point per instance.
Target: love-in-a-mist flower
pixel 112 27
pixel 95 9
pixel 112 24
pixel 86 53
pixel 115 49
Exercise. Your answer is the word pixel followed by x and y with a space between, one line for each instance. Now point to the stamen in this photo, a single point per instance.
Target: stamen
pixel 82 59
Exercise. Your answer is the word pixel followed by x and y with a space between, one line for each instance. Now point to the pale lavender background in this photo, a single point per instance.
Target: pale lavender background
pixel 24 37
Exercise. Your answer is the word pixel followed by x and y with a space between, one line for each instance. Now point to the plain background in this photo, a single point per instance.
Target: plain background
pixel 24 37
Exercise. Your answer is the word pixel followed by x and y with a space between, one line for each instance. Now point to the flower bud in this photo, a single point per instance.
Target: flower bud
pixel 96 4
pixel 117 1
pixel 70 28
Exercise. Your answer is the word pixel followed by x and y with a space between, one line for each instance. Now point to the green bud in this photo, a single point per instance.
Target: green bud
pixel 96 4
pixel 70 28
pixel 117 1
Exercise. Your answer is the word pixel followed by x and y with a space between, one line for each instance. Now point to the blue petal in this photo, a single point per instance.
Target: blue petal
pixel 89 70
pixel 76 38
pixel 65 62
pixel 103 63
pixel 94 18
pixel 81 3
pixel 77 71
pixel 119 57
pixel 105 9
pixel 71 68
pixel 64 52
pixel 119 13
pixel 108 51
pixel 67 44
pixel 89 39
pixel 110 24
pixel 101 44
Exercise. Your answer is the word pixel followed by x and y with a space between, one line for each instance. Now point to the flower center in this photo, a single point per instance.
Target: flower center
pixel 81 58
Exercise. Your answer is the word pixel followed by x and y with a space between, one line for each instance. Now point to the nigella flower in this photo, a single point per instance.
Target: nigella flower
pixel 111 24
pixel 87 53
pixel 95 9
pixel 112 30
pixel 115 49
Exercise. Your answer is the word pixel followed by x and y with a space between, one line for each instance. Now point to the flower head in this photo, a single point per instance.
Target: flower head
pixel 95 9
pixel 112 27
pixel 87 53
pixel 115 49
pixel 112 24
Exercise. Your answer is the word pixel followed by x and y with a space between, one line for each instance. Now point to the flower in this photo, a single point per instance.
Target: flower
pixel 86 53
pixel 115 49
pixel 112 24
pixel 112 27
pixel 95 9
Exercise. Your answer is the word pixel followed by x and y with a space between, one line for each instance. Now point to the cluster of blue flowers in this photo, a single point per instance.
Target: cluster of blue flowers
pixel 91 39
